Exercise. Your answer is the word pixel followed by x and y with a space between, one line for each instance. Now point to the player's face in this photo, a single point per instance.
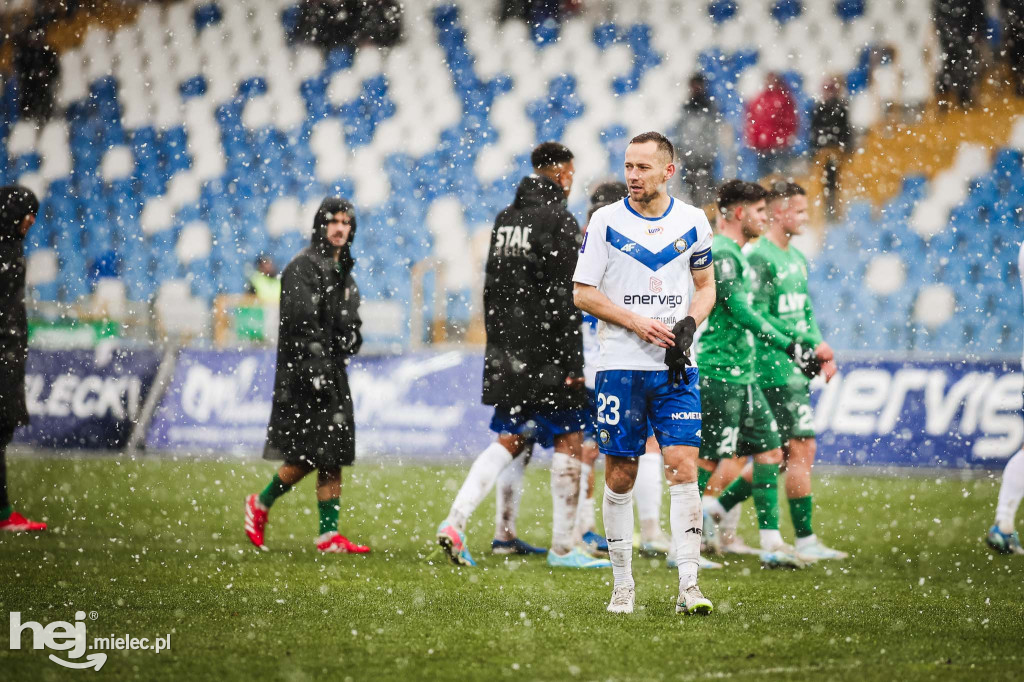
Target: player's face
pixel 753 219
pixel 27 224
pixel 566 174
pixel 338 229
pixel 647 171
pixel 791 214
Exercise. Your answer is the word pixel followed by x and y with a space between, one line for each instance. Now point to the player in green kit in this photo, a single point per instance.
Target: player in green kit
pixel 737 421
pixel 782 298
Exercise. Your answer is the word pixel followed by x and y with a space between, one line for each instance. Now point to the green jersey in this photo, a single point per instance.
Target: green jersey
pixel 726 348
pixel 781 297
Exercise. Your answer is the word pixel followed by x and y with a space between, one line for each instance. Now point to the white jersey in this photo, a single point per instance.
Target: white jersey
pixel 643 265
pixel 1020 269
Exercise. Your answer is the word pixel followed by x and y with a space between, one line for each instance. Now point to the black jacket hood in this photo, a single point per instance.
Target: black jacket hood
pixel 328 207
pixel 536 190
pixel 16 202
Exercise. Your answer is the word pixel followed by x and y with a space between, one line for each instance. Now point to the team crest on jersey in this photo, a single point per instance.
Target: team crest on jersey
pixel 604 436
pixel 654 229
pixel 656 285
pixel 681 245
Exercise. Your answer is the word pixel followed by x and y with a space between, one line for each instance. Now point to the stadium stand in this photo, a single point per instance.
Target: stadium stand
pixel 196 135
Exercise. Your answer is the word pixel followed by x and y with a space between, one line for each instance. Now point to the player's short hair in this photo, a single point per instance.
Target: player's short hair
pixel 608 193
pixel 737 191
pixel 604 194
pixel 785 190
pixel 664 144
pixel 548 154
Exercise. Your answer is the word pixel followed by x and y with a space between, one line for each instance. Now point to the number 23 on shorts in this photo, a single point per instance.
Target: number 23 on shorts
pixel 607 409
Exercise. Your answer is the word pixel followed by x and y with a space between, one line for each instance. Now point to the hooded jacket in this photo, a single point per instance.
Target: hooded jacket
pixel 319 331
pixel 533 328
pixel 15 204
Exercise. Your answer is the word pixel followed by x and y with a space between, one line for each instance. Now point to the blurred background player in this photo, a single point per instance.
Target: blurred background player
pixel 263 281
pixel 1002 536
pixel 639 259
pixel 533 365
pixel 603 195
pixel 781 296
pixel 312 425
pixel 18 208
pixel 737 421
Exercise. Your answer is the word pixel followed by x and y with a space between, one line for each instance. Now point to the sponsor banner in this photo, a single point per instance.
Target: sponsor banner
pixel 920 413
pixel 85 398
pixel 217 401
pixel 902 412
pixel 419 404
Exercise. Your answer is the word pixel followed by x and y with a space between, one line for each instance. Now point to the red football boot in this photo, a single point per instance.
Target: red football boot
pixel 255 521
pixel 16 523
pixel 339 544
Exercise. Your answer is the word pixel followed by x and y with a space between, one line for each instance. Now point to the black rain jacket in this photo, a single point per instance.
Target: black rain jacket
pixel 15 204
pixel 533 328
pixel 311 420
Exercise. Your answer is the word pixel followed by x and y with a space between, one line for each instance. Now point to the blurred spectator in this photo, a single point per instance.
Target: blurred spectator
pixel 263 281
pixel 380 22
pixel 831 139
pixel 771 125
pixel 534 12
pixel 349 23
pixel 697 143
pixel 37 67
pixel 961 29
pixel 1013 40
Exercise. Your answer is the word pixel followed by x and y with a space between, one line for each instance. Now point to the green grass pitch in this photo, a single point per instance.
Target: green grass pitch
pixel 156 547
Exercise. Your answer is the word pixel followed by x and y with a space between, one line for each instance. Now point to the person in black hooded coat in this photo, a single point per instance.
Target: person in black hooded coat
pixel 18 208
pixel 312 425
pixel 533 364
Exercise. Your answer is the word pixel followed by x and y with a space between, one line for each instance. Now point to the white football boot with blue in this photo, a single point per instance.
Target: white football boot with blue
pixel 576 558
pixel 1004 543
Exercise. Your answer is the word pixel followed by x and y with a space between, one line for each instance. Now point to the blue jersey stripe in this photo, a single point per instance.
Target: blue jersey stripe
pixel 654 261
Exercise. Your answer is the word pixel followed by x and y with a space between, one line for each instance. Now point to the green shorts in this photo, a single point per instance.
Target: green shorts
pixel 736 420
pixel 791 406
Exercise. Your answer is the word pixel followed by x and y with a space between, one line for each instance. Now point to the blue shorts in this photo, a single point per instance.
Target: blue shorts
pixel 631 403
pixel 538 425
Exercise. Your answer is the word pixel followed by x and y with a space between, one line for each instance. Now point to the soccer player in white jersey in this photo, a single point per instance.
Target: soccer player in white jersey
pixel 1003 537
pixel 638 260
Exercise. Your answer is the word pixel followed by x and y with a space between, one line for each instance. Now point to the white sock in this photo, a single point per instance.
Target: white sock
pixel 508 493
pixel 732 520
pixel 565 497
pixel 811 539
pixel 479 481
pixel 618 528
pixel 1011 490
pixel 647 493
pixel 585 509
pixel 687 522
pixel 770 539
pixel 713 507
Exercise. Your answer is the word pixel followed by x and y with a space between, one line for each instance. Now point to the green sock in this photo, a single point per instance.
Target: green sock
pixel 800 509
pixel 766 495
pixel 737 491
pixel 275 489
pixel 328 515
pixel 703 476
pixel 5 513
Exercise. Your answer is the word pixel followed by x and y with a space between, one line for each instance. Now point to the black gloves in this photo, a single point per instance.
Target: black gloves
pixel 805 359
pixel 677 356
